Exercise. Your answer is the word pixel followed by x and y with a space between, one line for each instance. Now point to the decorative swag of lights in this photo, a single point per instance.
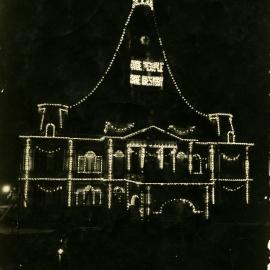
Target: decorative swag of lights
pixel 230 158
pixel 181 131
pixel 48 151
pixel 118 128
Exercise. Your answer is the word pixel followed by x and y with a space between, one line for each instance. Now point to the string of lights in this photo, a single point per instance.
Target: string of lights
pixel 48 151
pixel 228 158
pixel 109 126
pixel 51 190
pixel 110 63
pixel 155 155
pixel 181 131
pixel 70 167
pixel 207 202
pixel 185 201
pixel 170 71
pixel 232 189
pixel 27 166
pixel 170 183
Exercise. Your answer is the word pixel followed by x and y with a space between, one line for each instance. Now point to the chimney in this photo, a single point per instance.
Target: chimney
pixel 51 118
pixel 224 126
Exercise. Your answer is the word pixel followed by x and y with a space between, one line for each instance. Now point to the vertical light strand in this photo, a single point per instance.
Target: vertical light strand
pixel 211 161
pixel 70 167
pixel 213 195
pixel 207 202
pixel 190 156
pixel 247 163
pixel 173 153
pixel 247 174
pixel 93 196
pixel 232 128
pixel 160 153
pixel 212 172
pixel 110 158
pixel 247 192
pixel 27 163
pixel 110 171
pixel 129 152
pixel 110 196
pixel 142 205
pixel 127 195
pixel 42 110
pixel 148 200
pixel 142 157
pixel 100 197
pixel 84 197
pixel 77 198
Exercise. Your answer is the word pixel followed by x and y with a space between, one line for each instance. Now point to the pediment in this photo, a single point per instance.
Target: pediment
pixel 154 133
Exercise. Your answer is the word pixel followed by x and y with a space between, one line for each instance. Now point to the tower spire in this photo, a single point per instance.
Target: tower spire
pixel 143 3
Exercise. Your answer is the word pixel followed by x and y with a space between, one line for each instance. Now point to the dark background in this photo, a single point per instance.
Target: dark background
pixel 55 51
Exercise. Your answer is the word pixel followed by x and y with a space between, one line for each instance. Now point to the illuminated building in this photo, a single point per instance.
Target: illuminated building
pixel 149 159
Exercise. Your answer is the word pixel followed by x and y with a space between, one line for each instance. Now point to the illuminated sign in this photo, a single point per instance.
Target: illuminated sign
pixel 146 73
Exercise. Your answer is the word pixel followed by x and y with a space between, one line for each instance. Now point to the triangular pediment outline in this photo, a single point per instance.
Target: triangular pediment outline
pixel 158 129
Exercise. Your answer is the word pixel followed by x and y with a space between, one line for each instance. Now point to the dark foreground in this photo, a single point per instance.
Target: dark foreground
pixel 195 244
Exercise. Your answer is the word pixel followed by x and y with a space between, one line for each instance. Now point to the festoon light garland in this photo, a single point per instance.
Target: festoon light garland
pixel 181 131
pixel 119 129
pixel 230 158
pixel 50 190
pixel 185 201
pixel 232 189
pixel 48 151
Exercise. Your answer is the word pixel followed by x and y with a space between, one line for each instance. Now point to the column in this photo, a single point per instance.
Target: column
pixel 247 174
pixel 190 148
pixel 93 196
pixel 142 157
pixel 160 153
pixel 110 171
pixel 148 200
pixel 27 166
pixel 142 205
pixel 70 169
pixel 212 172
pixel 206 202
pixel 127 195
pixel 77 198
pixel 129 152
pixel 173 153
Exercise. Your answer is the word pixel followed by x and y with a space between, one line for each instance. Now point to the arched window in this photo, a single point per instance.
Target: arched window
pixel 50 130
pixel 90 163
pixel 88 196
pixel 230 137
pixel 135 200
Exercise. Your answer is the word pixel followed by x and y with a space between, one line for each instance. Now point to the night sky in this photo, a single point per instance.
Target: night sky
pixel 55 51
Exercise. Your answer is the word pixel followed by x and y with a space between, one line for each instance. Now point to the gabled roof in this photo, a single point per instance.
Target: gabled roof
pixel 153 128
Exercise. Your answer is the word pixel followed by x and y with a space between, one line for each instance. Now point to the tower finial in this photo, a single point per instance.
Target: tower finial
pixel 143 3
